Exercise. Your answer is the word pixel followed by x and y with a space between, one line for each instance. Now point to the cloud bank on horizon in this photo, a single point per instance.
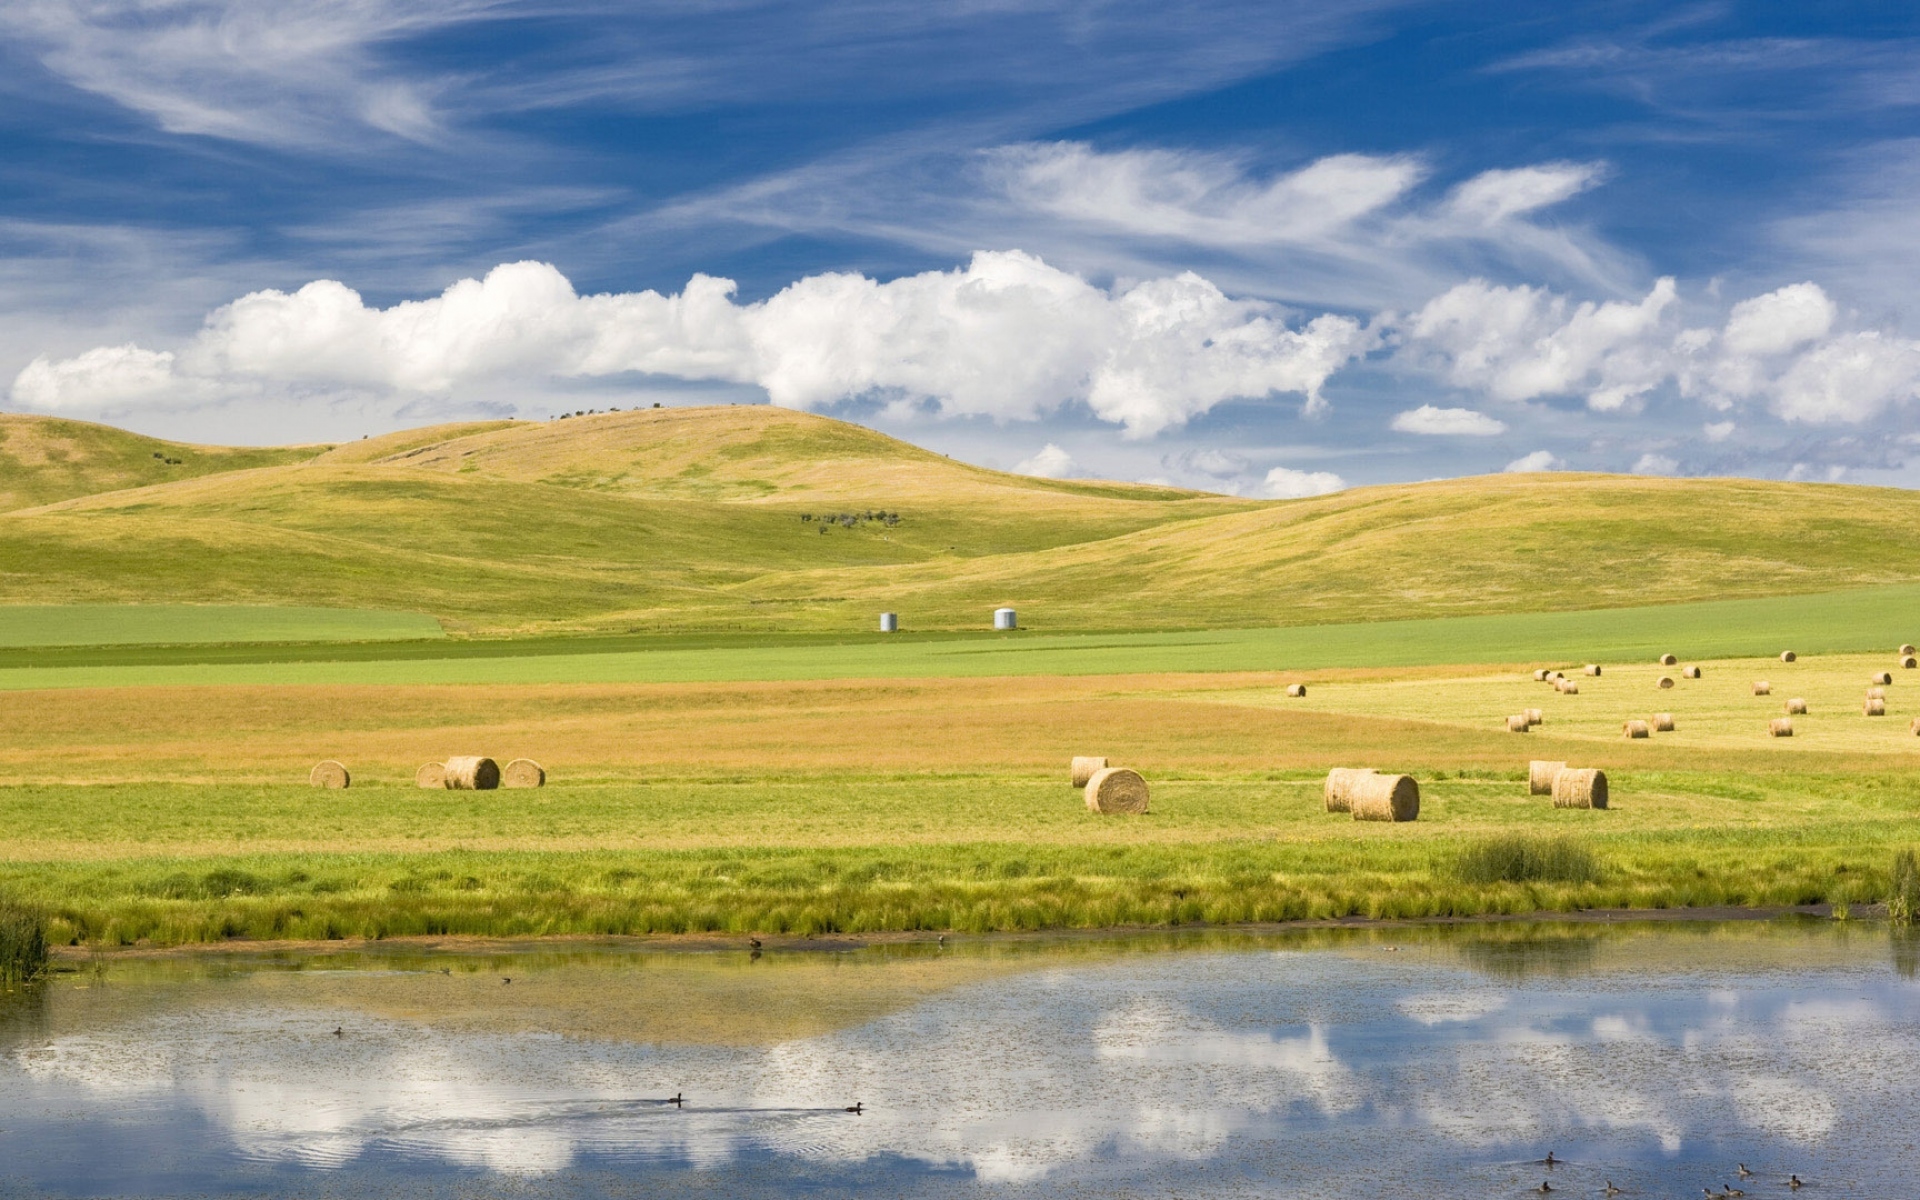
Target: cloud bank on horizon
pixel 1061 238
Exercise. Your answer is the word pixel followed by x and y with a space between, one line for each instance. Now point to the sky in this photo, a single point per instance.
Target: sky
pixel 1273 249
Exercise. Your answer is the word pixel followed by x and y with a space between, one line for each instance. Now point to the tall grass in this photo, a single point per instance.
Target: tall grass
pixel 1516 858
pixel 1903 897
pixel 23 944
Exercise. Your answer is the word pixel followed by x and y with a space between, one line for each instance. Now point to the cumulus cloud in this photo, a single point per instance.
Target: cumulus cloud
pixel 1285 483
pixel 1655 464
pixel 1443 422
pixel 1006 336
pixel 1539 460
pixel 1050 462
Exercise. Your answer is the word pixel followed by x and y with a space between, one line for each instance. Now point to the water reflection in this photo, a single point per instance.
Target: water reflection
pixel 1446 1061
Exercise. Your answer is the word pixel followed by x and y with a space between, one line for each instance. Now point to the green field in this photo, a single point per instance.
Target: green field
pixel 184 624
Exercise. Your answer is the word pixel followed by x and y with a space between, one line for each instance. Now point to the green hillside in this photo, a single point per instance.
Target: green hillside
pixel 754 517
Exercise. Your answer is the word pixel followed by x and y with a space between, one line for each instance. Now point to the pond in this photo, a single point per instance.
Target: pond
pixel 1441 1061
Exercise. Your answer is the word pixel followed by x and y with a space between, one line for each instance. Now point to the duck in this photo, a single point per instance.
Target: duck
pixel 754 942
pixel 1550 1160
pixel 339 1031
pixel 1612 1190
pixel 677 1100
pixel 856 1108
pixel 1744 1173
pixel 1793 1181
pixel 1544 1187
pixel 1727 1189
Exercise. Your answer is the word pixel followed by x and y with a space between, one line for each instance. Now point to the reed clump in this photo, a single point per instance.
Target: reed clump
pixel 23 944
pixel 1517 858
pixel 1903 897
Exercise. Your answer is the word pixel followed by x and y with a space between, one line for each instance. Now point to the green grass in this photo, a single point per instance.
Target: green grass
pixel 1515 858
pixel 23 944
pixel 1814 625
pixel 45 625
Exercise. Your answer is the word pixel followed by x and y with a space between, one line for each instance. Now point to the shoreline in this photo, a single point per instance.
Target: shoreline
pixel 711 943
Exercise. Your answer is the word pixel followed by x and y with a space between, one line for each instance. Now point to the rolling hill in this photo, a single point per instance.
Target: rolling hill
pixel 755 517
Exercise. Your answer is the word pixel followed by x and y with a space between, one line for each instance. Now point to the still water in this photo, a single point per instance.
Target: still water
pixel 1434 1062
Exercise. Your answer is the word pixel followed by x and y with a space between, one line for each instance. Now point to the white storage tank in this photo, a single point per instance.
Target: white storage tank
pixel 889 622
pixel 1003 618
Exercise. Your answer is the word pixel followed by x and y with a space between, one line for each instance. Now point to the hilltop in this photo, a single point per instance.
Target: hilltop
pixel 754 517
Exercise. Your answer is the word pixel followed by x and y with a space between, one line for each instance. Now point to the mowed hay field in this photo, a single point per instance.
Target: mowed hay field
pixel 173 815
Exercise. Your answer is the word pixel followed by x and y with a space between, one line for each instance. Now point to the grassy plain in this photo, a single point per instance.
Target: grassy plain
pixel 94 625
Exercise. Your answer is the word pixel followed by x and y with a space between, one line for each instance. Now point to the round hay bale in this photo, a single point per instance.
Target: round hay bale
pixel 1540 675
pixel 1536 717
pixel 1796 706
pixel 1762 688
pixel 471 773
pixel 1881 677
pixel 1874 693
pixel 431 775
pixel 1580 787
pixel 523 773
pixel 1518 723
pixel 1663 722
pixel 1568 688
pixel 1915 727
pixel 1540 775
pixel 1339 787
pixel 1116 790
pixel 1635 729
pixel 1780 727
pixel 1908 649
pixel 1386 798
pixel 1910 662
pixel 1296 690
pixel 329 774
pixel 1788 656
pixel 1667 660
pixel 1665 681
pixel 1689 672
pixel 1084 766
pixel 1874 706
pixel 1592 668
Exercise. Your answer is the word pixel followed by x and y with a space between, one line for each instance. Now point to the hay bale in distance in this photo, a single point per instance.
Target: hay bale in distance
pixel 329 774
pixel 1580 787
pixel 1796 706
pixel 1874 693
pixel 1540 675
pixel 1788 656
pixel 1689 672
pixel 1910 662
pixel 523 773
pixel 1635 729
pixel 1667 660
pixel 1664 682
pixel 1592 668
pixel 1762 688
pixel 1874 706
pixel 1662 722
pixel 1518 723
pixel 1084 766
pixel 1296 690
pixel 1780 727
pixel 1567 687
pixel 1908 649
pixel 1339 787
pixel 471 773
pixel 1881 677
pixel 1536 717
pixel 1379 797
pixel 1540 773
pixel 1116 790
pixel 431 775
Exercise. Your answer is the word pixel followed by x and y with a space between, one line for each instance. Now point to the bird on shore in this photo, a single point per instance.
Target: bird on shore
pixel 856 1109
pixel 942 940
pixel 754 942
pixel 506 979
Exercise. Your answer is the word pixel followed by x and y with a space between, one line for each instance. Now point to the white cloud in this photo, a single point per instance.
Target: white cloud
pixel 1655 464
pixel 1492 197
pixel 1006 336
pixel 1779 321
pixel 1718 431
pixel 1050 462
pixel 1285 483
pixel 1539 460
pixel 1447 422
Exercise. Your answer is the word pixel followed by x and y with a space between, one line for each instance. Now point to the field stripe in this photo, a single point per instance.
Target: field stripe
pixel 32 625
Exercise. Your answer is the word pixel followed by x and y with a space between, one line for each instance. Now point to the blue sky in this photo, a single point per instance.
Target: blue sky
pixel 1268 248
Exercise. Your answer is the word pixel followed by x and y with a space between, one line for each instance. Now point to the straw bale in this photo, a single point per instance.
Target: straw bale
pixel 1876 693
pixel 1580 787
pixel 472 773
pixel 431 775
pixel 1665 681
pixel 1796 706
pixel 1540 773
pixel 1874 707
pixel 329 774
pixel 1787 656
pixel 1881 677
pixel 1662 722
pixel 1116 790
pixel 1689 672
pixel 1339 787
pixel 1780 727
pixel 1536 717
pixel 1540 675
pixel 523 773
pixel 1910 662
pixel 1908 649
pixel 1592 668
pixel 1296 689
pixel 1762 688
pixel 1386 798
pixel 1635 729
pixel 1084 766
pixel 1568 688
pixel 1518 723
pixel 1667 660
